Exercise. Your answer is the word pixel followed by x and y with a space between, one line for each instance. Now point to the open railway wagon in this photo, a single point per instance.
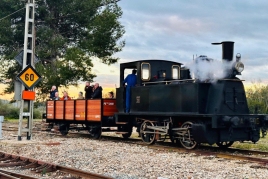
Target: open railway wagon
pixel 94 115
pixel 171 102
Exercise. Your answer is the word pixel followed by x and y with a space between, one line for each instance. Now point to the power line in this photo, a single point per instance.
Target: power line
pixel 12 13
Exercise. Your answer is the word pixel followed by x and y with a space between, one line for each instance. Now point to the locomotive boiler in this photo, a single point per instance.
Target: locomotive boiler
pixel 188 105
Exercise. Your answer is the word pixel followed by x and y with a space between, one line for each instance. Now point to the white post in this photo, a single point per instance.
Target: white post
pixel 1 120
pixel 29 36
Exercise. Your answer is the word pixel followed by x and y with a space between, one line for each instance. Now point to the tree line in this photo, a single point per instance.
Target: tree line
pixel 70 34
pixel 257 97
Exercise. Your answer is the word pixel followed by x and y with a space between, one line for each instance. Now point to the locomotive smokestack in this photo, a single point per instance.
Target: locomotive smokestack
pixel 227 50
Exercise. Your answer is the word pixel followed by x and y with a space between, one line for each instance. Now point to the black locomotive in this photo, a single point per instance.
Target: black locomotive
pixel 173 102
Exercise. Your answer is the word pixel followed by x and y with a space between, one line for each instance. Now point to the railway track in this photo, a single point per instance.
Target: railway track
pixel 259 159
pixel 36 166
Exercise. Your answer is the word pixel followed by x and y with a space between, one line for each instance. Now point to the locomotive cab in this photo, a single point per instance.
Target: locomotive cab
pixel 149 73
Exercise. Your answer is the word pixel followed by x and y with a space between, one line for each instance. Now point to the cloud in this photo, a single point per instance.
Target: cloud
pixel 107 75
pixel 180 30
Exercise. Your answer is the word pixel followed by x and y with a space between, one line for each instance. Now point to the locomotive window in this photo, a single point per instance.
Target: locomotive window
pixel 145 71
pixel 175 72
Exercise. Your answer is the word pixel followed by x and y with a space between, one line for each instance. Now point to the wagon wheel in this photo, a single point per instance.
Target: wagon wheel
pixel 129 130
pixel 95 132
pixel 187 140
pixel 64 128
pixel 225 144
pixel 148 138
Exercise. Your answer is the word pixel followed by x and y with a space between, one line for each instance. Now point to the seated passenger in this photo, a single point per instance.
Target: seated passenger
pixel 97 93
pixel 52 92
pixel 65 96
pixel 111 95
pixel 56 96
pixel 80 95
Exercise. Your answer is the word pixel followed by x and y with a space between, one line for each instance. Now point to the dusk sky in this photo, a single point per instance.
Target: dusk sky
pixel 178 29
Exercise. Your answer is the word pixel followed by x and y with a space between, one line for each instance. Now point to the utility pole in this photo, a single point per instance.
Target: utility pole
pixel 28 60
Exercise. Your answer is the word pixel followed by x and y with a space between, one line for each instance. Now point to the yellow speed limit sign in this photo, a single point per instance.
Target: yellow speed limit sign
pixel 29 77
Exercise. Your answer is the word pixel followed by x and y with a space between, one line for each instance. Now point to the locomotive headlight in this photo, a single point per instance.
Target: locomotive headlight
pixel 239 66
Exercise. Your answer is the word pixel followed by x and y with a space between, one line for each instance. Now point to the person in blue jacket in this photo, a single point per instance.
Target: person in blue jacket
pixel 131 81
pixel 52 92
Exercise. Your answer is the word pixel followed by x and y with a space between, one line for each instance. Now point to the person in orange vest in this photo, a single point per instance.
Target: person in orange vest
pixel 65 96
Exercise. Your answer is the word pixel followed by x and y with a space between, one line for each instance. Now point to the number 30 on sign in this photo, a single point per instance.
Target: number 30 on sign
pixel 29 77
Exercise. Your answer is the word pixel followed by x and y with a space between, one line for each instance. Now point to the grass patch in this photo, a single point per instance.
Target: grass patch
pixel 261 145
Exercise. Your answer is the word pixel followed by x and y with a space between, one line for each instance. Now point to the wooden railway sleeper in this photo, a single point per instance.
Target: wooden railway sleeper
pixel 16 159
pixel 46 168
pixel 6 157
pixel 12 164
pixel 41 167
pixel 31 165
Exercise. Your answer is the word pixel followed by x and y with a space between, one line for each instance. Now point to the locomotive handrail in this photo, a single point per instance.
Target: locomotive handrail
pixel 230 80
pixel 167 81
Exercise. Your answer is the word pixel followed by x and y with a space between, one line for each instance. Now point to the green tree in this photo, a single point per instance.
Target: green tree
pixel 257 98
pixel 69 35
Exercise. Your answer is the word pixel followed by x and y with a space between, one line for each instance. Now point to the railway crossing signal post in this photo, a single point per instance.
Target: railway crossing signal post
pixel 28 77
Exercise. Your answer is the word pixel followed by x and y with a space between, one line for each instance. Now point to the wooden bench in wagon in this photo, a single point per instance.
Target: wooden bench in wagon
pixel 94 115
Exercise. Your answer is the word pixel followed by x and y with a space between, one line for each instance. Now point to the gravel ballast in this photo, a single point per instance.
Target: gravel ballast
pixel 121 160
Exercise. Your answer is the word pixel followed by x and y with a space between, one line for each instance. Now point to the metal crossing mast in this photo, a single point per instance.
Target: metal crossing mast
pixel 28 59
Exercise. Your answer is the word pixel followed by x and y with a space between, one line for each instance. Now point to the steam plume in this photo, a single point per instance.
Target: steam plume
pixel 208 70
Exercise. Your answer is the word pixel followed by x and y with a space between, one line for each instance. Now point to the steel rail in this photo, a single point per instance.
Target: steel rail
pixel 81 173
pixel 212 154
pixel 4 174
pixel 40 166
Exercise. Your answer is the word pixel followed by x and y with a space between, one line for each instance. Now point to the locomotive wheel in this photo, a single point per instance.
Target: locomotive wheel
pixel 225 144
pixel 64 128
pixel 95 132
pixel 187 141
pixel 129 130
pixel 147 137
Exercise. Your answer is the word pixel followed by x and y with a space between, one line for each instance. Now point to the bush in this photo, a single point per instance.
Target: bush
pixel 37 114
pixel 11 112
pixel 8 111
pixel 257 98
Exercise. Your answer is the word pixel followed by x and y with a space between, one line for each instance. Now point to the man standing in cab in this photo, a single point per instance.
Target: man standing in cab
pixel 131 81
